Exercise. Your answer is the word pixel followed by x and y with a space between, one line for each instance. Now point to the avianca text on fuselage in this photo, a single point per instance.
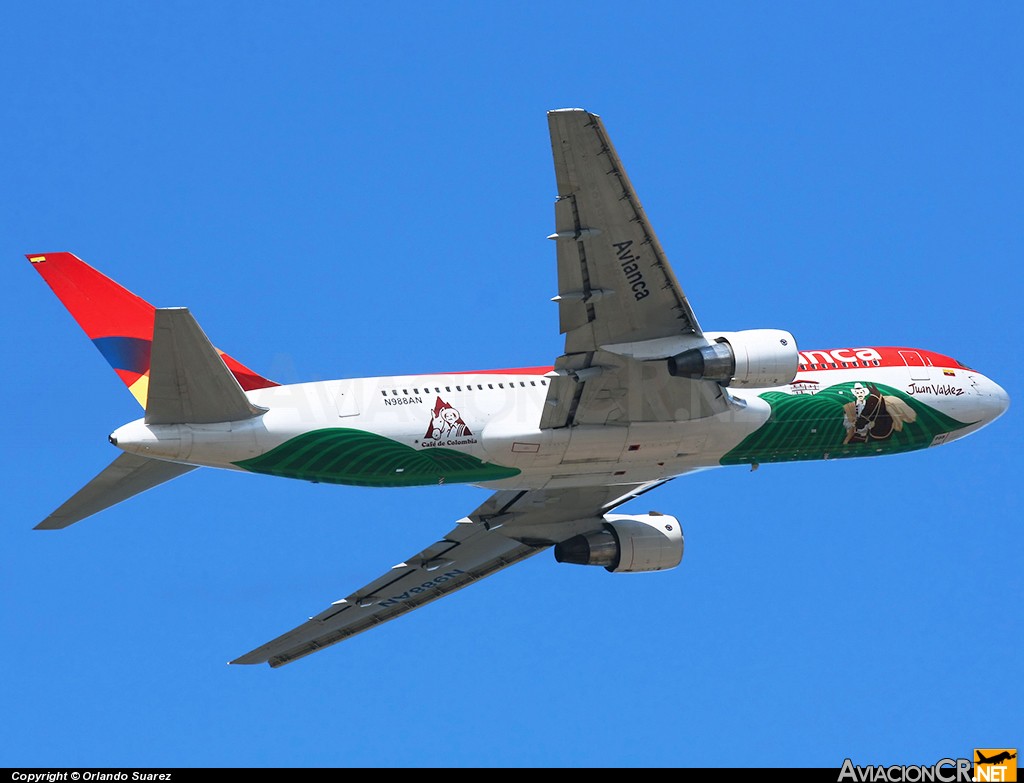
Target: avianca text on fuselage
pixel 840 356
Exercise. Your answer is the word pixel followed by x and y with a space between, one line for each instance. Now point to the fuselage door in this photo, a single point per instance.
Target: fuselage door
pixel 919 371
pixel 346 399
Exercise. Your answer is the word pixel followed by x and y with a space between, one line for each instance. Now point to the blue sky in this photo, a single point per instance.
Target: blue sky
pixel 338 191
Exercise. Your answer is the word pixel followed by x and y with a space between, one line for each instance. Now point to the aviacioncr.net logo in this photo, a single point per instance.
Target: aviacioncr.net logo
pixel 942 771
pixel 998 765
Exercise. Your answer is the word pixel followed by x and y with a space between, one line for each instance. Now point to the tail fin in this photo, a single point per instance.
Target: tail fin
pixel 119 323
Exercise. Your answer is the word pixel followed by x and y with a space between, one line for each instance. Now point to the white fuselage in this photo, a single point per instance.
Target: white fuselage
pixel 492 417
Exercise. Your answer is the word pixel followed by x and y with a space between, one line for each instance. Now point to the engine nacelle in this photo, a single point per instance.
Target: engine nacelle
pixel 752 359
pixel 625 544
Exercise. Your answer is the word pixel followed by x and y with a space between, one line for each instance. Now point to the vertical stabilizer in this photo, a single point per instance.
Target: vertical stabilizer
pixel 119 323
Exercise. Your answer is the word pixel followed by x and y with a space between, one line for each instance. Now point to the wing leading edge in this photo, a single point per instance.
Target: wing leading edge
pixel 509 527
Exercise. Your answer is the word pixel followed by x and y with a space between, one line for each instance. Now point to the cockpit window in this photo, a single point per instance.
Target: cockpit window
pixel 963 366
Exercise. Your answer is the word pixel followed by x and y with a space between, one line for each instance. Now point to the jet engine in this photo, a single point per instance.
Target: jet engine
pixel 752 359
pixel 627 544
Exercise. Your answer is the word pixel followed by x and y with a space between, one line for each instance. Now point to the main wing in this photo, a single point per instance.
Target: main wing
pixel 509 527
pixel 619 306
pixel 619 302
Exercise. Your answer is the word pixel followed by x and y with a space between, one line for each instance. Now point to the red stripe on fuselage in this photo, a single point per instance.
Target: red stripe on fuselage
pixel 828 359
pixel 875 356
pixel 514 371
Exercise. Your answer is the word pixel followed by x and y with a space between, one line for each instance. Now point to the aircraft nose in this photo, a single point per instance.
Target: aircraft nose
pixel 992 398
pixel 1000 400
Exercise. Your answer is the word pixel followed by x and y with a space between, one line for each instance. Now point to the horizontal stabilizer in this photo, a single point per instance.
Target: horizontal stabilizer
pixel 125 477
pixel 188 380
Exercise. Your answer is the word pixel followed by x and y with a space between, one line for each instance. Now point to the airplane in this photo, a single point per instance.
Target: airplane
pixel 641 395
pixel 999 758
